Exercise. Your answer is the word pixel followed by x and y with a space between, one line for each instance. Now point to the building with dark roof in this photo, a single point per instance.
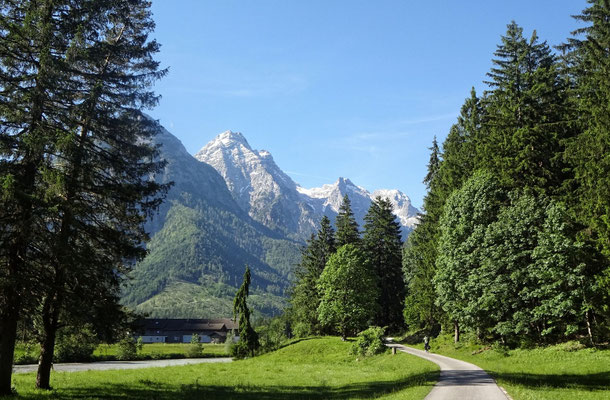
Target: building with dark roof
pixel 182 330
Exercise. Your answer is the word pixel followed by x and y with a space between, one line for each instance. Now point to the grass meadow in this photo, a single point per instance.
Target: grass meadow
pixel 318 369
pixel 562 372
pixel 28 353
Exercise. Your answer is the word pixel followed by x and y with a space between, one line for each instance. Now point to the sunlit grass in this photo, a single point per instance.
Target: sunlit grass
pixel 566 371
pixel 310 369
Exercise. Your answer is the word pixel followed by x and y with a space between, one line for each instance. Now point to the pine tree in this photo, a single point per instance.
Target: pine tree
pixel 419 255
pixel 382 242
pixel 305 297
pixel 589 152
pixel 525 112
pixel 461 147
pixel 347 227
pixel 248 338
pixel 77 144
pixel 28 70
pixel 433 164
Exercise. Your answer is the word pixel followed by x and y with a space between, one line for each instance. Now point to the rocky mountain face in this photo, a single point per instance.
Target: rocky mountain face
pixel 228 207
pixel 272 198
pixel 258 185
pixel 201 240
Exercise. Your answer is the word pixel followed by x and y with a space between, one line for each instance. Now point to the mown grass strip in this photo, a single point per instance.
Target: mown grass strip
pixel 318 369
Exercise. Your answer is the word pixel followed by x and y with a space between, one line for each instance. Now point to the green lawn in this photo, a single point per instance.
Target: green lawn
pixel 28 354
pixel 162 350
pixel 565 371
pixel 310 369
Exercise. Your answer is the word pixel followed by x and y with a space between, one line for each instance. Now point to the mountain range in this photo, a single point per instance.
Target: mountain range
pixel 272 198
pixel 232 206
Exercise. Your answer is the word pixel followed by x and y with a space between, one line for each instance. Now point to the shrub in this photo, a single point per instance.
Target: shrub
pixel 369 342
pixel 127 349
pixel 240 350
pixel 229 342
pixel 75 344
pixel 195 348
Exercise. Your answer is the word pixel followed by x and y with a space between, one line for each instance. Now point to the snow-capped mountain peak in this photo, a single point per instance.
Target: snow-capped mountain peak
pixel 230 138
pixel 271 197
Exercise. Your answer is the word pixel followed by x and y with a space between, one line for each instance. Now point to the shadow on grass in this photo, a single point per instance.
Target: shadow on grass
pixel 154 390
pixel 598 381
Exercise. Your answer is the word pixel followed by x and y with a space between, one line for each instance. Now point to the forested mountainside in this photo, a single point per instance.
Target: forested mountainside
pixel 201 241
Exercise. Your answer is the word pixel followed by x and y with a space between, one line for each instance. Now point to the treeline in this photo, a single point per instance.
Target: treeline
pixel 514 241
pixel 348 280
pixel 75 165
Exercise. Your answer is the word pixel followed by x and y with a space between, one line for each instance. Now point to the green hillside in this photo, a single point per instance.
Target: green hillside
pixel 201 242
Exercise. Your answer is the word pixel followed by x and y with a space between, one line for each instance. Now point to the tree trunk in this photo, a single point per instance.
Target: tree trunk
pixel 589 328
pixel 456 332
pixel 47 345
pixel 8 335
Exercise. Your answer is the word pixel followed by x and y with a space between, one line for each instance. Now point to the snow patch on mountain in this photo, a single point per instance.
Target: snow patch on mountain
pixel 271 197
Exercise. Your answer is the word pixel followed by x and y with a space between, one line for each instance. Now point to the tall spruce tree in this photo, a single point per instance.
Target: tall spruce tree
pixel 29 72
pixel 347 227
pixel 434 163
pixel 525 110
pixel 89 154
pixel 419 255
pixel 305 298
pixel 248 338
pixel 589 152
pixel 382 242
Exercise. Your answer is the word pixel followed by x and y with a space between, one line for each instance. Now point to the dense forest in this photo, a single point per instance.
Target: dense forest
pixel 514 240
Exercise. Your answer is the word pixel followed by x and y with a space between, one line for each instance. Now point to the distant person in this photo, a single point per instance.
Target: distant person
pixel 426 343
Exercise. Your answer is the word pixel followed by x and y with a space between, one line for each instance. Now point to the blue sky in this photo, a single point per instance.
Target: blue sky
pixel 335 88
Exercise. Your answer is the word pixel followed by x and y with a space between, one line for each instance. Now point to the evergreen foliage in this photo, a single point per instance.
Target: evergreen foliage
pixel 588 55
pixel 349 291
pixel 513 243
pixel 248 338
pixel 347 227
pixel 382 244
pixel 525 114
pixel 76 157
pixel 305 298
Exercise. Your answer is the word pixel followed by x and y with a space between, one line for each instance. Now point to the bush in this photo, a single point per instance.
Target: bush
pixel 369 342
pixel 75 344
pixel 127 349
pixel 195 349
pixel 240 350
pixel 229 342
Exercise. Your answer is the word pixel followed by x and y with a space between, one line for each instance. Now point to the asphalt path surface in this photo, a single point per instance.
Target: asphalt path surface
pixel 107 365
pixel 459 380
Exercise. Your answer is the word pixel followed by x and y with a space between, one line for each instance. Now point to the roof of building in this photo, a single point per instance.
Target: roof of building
pixel 217 324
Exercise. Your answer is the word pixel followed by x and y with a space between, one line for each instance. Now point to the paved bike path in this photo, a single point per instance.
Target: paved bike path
pixel 458 380
pixel 108 365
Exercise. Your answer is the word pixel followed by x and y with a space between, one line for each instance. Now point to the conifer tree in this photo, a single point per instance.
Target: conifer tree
pixel 28 73
pixel 248 338
pixel 433 164
pixel 461 147
pixel 305 297
pixel 589 152
pixel 525 125
pixel 419 254
pixel 382 242
pixel 89 153
pixel 347 227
